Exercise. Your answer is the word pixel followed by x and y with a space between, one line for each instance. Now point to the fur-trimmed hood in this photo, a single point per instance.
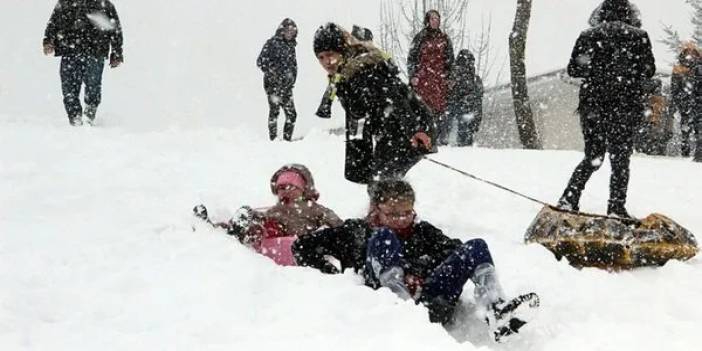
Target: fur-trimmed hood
pixel 616 10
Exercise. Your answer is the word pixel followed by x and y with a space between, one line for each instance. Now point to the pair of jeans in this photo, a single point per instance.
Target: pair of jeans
pixel 279 97
pixel 385 252
pixel 76 71
pixel 605 131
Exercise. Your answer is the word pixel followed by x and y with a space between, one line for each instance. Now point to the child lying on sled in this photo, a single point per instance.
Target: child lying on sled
pixel 272 230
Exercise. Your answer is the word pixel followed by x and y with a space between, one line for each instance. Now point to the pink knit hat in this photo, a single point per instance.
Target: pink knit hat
pixel 290 177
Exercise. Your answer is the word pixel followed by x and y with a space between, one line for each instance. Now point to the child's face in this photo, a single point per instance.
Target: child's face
pixel 288 193
pixel 396 214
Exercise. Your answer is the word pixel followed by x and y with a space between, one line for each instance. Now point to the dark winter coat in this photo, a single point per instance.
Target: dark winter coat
pixel 387 112
pixel 430 59
pixel 85 27
pixel 466 95
pixel 615 59
pixel 423 250
pixel 278 61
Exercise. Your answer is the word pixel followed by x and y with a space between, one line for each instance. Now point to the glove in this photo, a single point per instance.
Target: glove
pixel 116 60
pixel 48 49
pixel 200 211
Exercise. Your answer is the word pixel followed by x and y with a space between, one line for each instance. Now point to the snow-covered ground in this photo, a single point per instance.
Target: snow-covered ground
pixel 99 250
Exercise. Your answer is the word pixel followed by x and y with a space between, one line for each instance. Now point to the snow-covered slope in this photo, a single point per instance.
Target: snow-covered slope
pixel 98 248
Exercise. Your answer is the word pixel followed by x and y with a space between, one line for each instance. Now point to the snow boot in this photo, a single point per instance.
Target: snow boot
pixel 567 205
pixel 508 317
pixel 504 318
pixel 616 209
pixel 394 279
pixel 89 113
pixel 75 121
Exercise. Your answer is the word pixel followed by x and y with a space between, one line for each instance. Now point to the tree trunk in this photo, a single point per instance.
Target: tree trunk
pixel 520 95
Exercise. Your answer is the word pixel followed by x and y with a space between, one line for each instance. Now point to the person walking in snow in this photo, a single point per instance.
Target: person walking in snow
pixel 465 102
pixel 682 85
pixel 392 248
pixel 428 65
pixel 296 213
pixel 394 127
pixel 278 62
pixel 84 33
pixel 615 59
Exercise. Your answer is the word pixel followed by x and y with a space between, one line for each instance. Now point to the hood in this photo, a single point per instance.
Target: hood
pixel 689 52
pixel 616 10
pixel 310 192
pixel 426 17
pixel 285 24
pixel 465 59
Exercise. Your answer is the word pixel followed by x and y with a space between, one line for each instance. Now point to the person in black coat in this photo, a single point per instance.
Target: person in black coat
pixel 414 259
pixel 393 126
pixel 615 59
pixel 465 98
pixel 278 62
pixel 83 32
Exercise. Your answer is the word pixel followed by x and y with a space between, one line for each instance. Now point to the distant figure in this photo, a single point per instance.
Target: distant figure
pixel 278 62
pixel 83 32
pixel 465 103
pixel 656 126
pixel 393 126
pixel 615 59
pixel 682 85
pixel 428 65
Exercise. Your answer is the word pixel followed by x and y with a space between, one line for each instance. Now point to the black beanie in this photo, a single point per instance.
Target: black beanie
pixel 328 38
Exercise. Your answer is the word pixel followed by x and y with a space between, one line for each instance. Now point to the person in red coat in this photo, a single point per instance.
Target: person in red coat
pixel 428 65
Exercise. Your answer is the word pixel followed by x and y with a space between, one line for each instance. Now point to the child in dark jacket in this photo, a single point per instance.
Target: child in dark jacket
pixel 414 259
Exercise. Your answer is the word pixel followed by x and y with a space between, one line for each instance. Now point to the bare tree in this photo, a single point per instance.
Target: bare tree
pixel 400 21
pixel 672 37
pixel 520 95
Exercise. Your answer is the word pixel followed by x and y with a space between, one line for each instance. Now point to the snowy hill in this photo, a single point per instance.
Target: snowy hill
pixel 99 250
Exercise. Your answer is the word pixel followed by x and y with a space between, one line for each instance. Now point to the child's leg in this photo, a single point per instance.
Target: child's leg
pixel 448 279
pixel 384 264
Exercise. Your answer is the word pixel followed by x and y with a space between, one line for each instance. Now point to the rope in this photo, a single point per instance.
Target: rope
pixel 532 199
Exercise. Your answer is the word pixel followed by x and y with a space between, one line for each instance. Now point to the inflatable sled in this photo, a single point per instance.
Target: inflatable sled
pixel 588 241
pixel 279 249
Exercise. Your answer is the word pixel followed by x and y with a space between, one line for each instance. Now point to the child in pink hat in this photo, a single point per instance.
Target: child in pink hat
pixel 271 231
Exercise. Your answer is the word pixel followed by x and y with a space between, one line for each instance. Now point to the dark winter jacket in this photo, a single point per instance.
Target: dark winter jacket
pixel 466 95
pixel 615 59
pixel 277 59
pixel 386 110
pixel 423 250
pixel 85 27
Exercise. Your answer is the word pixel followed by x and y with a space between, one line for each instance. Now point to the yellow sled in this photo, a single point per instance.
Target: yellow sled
pixel 612 244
